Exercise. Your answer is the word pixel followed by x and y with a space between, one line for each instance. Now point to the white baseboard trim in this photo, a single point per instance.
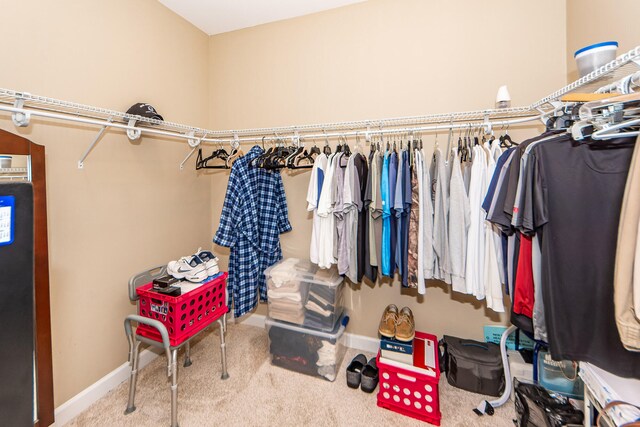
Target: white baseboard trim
pixel 81 401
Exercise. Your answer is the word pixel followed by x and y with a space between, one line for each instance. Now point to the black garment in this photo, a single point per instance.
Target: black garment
pixel 362 169
pixel 370 271
pixel 406 211
pixel 293 344
pixel 576 194
pixel 506 193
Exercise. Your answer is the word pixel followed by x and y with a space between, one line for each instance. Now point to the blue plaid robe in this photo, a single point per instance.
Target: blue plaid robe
pixel 253 216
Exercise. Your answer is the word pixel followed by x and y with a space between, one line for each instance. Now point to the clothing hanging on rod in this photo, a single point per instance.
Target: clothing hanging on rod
pixel 253 216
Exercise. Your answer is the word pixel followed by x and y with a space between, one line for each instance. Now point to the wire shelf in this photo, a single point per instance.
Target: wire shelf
pixel 622 66
pixel 13 170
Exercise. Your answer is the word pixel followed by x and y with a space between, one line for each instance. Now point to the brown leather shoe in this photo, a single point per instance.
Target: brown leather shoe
pixel 405 326
pixel 388 321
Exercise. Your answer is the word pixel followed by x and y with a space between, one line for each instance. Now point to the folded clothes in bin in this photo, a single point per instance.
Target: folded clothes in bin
pixel 306 350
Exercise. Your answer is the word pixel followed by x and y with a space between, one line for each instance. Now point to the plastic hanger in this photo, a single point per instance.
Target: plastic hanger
pixel 219 154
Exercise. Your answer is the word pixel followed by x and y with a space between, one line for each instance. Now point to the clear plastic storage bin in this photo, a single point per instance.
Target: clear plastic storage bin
pixel 305 350
pixel 302 294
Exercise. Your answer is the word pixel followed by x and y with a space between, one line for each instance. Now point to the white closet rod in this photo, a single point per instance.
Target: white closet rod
pixel 487 125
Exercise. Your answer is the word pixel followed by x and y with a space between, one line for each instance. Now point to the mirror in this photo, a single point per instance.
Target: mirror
pixel 15 167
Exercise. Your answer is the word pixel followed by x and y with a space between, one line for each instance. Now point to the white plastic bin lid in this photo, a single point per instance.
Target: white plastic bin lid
pixel 303 270
pixel 337 332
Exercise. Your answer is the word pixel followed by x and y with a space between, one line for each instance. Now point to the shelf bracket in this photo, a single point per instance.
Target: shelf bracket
pixel 20 119
pixel 487 125
pixel 133 134
pixel 194 143
pixel 93 144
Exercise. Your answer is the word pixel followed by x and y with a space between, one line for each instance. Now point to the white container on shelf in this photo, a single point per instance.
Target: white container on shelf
pixel 594 56
pixel 5 162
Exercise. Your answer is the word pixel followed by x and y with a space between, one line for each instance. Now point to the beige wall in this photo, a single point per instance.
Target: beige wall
pixel 384 58
pixel 130 207
pixel 616 20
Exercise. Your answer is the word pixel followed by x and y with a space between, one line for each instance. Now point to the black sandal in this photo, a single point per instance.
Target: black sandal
pixel 370 376
pixel 354 370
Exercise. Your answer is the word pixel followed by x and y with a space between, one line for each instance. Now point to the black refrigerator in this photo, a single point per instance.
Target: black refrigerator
pixel 16 304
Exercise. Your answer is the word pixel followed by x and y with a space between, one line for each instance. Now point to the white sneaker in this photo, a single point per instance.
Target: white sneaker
pixel 191 268
pixel 210 262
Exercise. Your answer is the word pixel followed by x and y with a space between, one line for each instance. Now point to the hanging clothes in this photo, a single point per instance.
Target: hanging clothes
pixel 492 241
pixel 313 198
pixel 362 172
pixel 627 271
pixel 393 178
pixel 352 202
pixel 385 194
pixel 403 207
pixel 442 264
pixel 398 209
pixel 459 216
pixel 427 255
pixel 327 219
pixel 254 214
pixel 373 205
pixel 575 201
pixel 414 227
pixel 474 270
pixel 340 252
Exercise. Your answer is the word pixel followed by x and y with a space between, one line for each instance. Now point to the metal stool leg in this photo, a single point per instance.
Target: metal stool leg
pixel 133 379
pixel 174 388
pixel 187 355
pixel 223 350
pixel 224 322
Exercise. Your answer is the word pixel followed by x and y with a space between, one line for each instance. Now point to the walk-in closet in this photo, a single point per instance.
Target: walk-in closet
pixel 320 213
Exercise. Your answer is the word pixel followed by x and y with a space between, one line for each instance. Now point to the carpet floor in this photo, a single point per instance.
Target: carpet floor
pixel 259 394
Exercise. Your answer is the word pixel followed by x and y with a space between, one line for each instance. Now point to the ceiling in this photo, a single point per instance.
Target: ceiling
pixel 221 16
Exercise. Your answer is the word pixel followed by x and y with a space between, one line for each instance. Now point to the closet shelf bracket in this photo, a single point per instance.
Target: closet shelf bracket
pixel 487 125
pixel 20 119
pixel 133 134
pixel 93 144
pixel 194 143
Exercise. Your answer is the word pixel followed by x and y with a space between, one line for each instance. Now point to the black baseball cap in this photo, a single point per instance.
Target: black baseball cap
pixel 144 110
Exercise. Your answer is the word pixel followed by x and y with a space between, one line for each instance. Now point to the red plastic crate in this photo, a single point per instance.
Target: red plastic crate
pixel 411 393
pixel 185 315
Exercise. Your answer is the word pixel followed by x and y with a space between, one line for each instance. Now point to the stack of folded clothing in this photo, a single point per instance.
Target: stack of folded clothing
pixel 327 360
pixel 321 304
pixel 285 302
pixel 286 296
pixel 294 351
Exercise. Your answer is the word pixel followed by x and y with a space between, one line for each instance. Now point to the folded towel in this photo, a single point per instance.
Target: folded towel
pixel 312 306
pixel 284 294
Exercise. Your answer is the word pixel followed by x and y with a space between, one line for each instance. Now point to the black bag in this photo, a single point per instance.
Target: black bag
pixel 472 365
pixel 535 407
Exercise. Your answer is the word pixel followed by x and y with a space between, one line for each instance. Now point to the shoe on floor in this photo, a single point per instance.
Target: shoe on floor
pixel 191 268
pixel 210 261
pixel 369 380
pixel 406 326
pixel 388 321
pixel 354 370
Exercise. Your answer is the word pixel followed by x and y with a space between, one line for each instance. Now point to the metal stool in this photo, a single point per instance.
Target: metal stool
pixel 171 351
